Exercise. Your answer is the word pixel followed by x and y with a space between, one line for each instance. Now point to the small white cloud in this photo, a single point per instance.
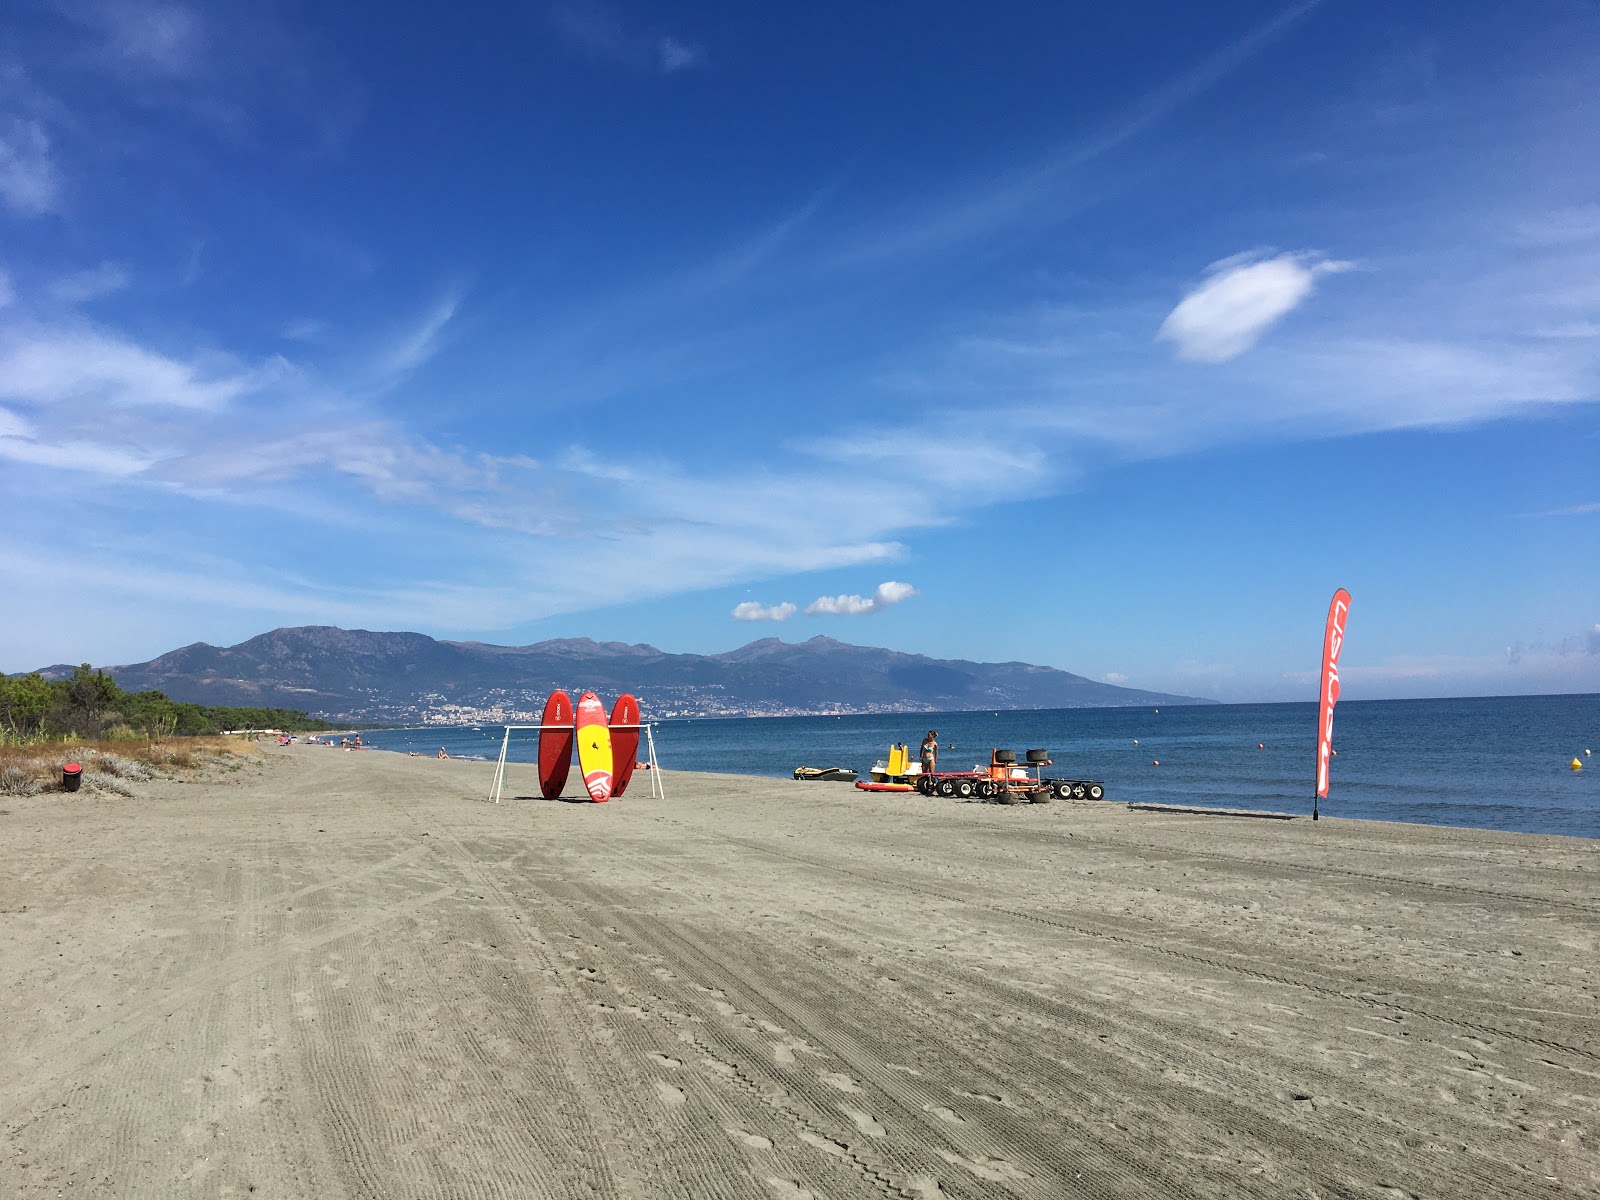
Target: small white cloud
pixel 91 284
pixel 751 611
pixel 1228 313
pixel 28 178
pixel 144 38
pixel 598 31
pixel 677 56
pixel 304 329
pixel 1114 677
pixel 887 595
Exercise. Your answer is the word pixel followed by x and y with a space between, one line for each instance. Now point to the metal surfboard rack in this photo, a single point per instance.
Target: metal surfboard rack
pixel 658 789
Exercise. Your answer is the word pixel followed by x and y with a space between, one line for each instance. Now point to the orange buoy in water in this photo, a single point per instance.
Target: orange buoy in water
pixel 1576 764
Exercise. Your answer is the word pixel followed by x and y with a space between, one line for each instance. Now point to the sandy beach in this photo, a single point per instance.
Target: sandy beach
pixel 337 974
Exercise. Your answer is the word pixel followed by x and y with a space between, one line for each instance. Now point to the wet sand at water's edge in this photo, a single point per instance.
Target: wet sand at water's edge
pixel 347 975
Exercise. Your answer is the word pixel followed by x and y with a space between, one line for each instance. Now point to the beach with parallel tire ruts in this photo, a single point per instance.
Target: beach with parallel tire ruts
pixel 338 974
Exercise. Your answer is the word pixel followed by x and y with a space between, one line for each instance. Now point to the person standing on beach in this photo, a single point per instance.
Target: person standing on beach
pixel 930 752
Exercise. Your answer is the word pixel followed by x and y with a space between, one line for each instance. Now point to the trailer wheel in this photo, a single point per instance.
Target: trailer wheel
pixel 983 790
pixel 1005 756
pixel 1042 796
pixel 1038 756
pixel 1063 789
pixel 947 788
pixel 1012 796
pixel 1077 791
pixel 1096 792
pixel 927 785
pixel 964 789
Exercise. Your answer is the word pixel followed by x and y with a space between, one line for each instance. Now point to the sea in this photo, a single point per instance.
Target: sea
pixel 1487 763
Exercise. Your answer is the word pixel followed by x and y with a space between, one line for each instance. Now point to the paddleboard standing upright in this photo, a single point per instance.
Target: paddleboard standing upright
pixel 594 747
pixel 555 744
pixel 624 742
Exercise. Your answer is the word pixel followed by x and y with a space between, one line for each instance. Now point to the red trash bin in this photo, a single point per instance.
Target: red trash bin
pixel 71 777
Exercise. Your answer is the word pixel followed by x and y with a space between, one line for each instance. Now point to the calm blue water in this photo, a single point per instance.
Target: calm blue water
pixel 1490 763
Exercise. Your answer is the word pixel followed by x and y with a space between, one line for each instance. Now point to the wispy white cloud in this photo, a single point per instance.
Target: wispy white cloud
pixel 92 283
pixel 91 457
pixel 1054 186
pixel 1116 677
pixel 148 38
pixel 751 611
pixel 416 345
pixel 48 365
pixel 29 180
pixel 676 55
pixel 1579 223
pixel 1576 510
pixel 599 31
pixel 887 595
pixel 305 329
pixel 1227 314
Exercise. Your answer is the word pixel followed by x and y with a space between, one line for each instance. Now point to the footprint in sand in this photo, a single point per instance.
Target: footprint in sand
pixel 996 1169
pixel 826 1145
pixel 927 1188
pixel 863 1121
pixel 789 1189
pixel 670 1096
pixel 835 1080
pixel 944 1114
pixel 726 1069
pixel 666 1061
pixel 782 1055
pixel 986 1097
pixel 745 1138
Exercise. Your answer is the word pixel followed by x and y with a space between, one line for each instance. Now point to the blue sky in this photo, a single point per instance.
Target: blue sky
pixel 1110 337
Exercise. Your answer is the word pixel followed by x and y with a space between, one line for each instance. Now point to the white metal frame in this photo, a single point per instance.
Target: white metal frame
pixel 658 789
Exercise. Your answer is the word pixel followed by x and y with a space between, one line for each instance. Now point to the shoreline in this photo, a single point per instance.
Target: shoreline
pixel 346 974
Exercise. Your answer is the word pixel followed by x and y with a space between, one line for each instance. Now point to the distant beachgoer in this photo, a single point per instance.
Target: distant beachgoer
pixel 345 742
pixel 930 751
pixel 441 753
pixel 357 742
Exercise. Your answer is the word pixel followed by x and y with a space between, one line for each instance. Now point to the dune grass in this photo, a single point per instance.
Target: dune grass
pixel 32 768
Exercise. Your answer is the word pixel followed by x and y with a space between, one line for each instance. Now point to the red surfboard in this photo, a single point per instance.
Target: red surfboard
pixel 624 742
pixel 593 737
pixel 555 744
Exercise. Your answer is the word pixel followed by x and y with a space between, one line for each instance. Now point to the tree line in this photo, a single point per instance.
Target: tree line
pixel 91 706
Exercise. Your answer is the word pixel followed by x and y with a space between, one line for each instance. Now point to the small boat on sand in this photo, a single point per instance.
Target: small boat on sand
pixel 825 774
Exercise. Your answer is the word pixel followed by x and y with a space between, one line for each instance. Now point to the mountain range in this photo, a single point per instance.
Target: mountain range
pixel 354 675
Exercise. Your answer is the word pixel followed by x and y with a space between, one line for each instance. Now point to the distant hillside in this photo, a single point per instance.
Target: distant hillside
pixel 356 675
